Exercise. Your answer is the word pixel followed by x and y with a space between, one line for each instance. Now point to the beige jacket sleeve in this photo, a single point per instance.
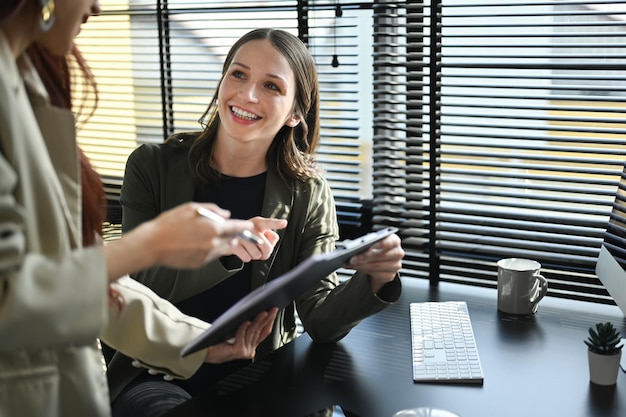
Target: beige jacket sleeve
pixel 145 326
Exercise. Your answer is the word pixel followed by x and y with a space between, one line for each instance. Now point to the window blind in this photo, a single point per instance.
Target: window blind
pixel 482 129
pixel 513 138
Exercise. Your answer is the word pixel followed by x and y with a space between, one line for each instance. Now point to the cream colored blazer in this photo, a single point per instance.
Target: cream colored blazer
pixel 53 294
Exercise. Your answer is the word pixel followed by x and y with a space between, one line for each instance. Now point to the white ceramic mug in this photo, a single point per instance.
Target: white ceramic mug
pixel 520 285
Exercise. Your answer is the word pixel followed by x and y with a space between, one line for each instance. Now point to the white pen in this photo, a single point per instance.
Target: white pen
pixel 246 234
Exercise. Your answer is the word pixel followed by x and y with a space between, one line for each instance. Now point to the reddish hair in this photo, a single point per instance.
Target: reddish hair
pixel 56 76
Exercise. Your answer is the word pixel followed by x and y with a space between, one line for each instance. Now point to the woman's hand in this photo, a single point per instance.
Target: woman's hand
pixel 264 228
pixel 381 262
pixel 248 337
pixel 178 238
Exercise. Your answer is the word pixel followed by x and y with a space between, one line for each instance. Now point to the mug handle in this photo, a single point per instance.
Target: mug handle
pixel 540 292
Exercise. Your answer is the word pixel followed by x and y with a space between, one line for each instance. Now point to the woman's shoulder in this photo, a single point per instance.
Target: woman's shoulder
pixel 177 144
pixel 315 185
pixel 182 139
pixel 317 180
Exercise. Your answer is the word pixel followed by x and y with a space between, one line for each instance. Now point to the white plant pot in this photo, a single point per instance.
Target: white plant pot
pixel 603 369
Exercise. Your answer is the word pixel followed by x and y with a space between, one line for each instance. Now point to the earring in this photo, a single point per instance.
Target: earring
pixel 47 14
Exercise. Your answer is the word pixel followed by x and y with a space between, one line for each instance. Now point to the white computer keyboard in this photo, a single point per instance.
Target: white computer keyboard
pixel 443 344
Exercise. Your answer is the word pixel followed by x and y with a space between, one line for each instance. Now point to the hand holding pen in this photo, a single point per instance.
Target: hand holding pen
pixel 179 238
pixel 253 246
pixel 246 234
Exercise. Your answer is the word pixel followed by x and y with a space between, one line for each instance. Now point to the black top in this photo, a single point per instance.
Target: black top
pixel 244 198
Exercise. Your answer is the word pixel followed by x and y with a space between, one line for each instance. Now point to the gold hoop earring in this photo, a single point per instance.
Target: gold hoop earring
pixel 47 14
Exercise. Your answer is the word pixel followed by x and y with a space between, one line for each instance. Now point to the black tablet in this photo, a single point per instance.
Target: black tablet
pixel 283 290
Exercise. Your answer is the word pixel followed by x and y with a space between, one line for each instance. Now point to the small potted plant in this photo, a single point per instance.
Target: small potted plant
pixel 604 353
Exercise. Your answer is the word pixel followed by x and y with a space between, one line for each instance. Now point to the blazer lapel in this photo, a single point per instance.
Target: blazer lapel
pixel 58 130
pixel 179 184
pixel 277 203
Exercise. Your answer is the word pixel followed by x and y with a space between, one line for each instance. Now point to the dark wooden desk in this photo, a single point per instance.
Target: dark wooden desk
pixel 533 366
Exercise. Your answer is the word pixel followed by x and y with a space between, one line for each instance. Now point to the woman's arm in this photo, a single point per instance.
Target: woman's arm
pixel 145 326
pixel 331 309
pixel 177 238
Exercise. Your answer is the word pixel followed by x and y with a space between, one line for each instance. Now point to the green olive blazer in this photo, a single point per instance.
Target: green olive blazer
pixel 158 177
pixel 54 300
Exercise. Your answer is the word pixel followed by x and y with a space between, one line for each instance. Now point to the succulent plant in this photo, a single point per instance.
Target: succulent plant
pixel 604 339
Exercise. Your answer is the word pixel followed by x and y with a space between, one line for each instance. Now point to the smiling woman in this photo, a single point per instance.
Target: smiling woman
pixel 254 157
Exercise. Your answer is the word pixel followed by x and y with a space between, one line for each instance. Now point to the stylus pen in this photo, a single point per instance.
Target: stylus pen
pixel 246 234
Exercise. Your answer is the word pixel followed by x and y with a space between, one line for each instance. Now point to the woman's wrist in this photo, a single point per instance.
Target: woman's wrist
pixel 137 250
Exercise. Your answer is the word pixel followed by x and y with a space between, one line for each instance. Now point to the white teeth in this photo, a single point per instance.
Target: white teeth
pixel 244 114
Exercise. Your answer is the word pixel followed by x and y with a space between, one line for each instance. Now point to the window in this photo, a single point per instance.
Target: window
pixel 513 136
pixel 482 129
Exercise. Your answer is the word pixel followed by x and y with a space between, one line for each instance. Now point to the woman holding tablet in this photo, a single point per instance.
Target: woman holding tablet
pixel 255 157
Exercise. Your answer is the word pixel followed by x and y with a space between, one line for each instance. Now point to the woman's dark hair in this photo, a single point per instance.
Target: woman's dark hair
pixel 9 7
pixel 291 151
pixel 60 81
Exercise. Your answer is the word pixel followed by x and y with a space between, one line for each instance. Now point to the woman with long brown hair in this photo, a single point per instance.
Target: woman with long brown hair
pixel 255 156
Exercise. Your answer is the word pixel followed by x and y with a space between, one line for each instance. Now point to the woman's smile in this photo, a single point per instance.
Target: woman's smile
pixel 240 113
